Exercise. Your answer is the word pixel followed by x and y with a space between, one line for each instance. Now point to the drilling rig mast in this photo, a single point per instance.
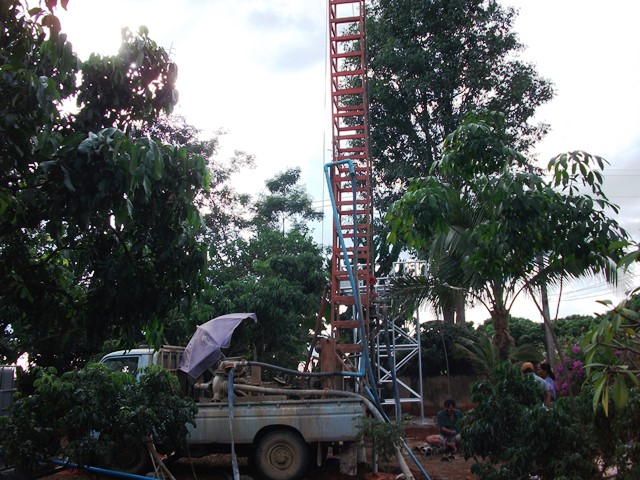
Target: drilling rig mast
pixel 350 184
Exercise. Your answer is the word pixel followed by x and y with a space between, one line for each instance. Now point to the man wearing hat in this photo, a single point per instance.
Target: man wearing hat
pixel 528 369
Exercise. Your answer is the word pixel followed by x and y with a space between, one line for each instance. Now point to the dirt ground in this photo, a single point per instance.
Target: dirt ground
pixel 217 467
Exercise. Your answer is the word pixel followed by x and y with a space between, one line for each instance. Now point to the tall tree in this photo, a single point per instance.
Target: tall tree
pixel 97 226
pixel 286 199
pixel 524 230
pixel 431 62
pixel 278 275
pixel 226 217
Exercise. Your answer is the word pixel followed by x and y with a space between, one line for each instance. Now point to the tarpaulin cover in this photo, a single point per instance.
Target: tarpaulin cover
pixel 203 350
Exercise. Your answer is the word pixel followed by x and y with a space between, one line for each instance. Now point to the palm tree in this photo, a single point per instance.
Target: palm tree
pixel 484 355
pixel 486 218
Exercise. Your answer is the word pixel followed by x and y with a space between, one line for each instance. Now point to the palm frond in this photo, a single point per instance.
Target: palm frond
pixel 484 355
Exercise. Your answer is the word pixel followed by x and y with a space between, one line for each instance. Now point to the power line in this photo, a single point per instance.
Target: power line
pixel 591 291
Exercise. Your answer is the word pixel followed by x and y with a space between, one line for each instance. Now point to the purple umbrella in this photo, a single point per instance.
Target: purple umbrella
pixel 203 350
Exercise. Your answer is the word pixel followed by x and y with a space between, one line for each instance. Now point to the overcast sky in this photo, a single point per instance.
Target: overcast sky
pixel 257 69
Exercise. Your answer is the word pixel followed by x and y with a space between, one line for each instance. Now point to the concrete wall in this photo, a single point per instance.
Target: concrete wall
pixel 437 389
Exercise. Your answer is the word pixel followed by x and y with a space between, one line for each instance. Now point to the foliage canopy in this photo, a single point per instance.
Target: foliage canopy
pixel 98 225
pixel 494 227
pixel 431 63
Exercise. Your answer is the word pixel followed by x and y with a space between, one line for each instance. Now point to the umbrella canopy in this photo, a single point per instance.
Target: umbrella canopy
pixel 203 350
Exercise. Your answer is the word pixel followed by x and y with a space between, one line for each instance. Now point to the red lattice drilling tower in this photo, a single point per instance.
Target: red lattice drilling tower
pixel 351 233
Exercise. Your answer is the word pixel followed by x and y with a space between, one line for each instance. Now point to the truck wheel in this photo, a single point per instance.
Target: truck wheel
pixel 128 455
pixel 282 455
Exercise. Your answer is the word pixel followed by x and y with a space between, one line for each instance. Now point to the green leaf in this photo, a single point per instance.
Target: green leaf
pixel 67 179
pixel 129 207
pixel 606 303
pixel 599 383
pixel 146 183
pixel 134 159
pixel 157 162
pixel 620 393
pixel 632 376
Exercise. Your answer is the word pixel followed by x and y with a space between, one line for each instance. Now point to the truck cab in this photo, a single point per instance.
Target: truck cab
pixel 134 360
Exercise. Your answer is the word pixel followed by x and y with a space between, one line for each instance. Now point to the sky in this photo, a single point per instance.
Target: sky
pixel 257 70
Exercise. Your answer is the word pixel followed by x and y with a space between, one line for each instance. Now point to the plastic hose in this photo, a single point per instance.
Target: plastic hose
pixel 104 471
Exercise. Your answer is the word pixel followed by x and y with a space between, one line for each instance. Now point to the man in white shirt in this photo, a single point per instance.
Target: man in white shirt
pixel 528 369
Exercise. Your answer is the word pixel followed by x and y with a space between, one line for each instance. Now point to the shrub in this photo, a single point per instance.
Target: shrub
pixel 571 378
pixel 437 340
pixel 617 436
pixel 384 436
pixel 79 414
pixel 515 436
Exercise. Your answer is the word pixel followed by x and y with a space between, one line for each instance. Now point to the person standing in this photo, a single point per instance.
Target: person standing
pixel 546 373
pixel 528 369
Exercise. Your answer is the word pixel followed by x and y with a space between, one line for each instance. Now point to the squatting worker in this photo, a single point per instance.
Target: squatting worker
pixel 448 425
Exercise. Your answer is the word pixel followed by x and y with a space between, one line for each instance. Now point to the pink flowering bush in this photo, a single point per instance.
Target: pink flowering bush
pixel 572 377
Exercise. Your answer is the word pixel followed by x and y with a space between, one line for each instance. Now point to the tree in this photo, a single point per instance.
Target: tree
pixel 613 355
pixel 225 214
pixel 283 286
pixel 438 340
pixel 524 231
pixel 484 356
pixel 279 275
pixel 285 199
pixel 98 226
pixel 523 331
pixel 432 62
pixel 573 328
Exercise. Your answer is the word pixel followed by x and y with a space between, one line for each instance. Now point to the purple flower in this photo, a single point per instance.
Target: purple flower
pixel 575 349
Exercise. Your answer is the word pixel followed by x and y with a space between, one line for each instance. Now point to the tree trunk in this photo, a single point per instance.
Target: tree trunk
pixel 461 315
pixel 502 338
pixel 548 334
pixel 449 314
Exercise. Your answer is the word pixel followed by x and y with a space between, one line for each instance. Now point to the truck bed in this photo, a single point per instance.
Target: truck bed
pixel 317 420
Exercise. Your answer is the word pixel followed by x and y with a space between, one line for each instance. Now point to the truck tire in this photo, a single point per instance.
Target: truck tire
pixel 128 455
pixel 282 455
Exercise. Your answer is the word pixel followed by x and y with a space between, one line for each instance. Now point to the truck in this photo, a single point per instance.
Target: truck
pixel 282 428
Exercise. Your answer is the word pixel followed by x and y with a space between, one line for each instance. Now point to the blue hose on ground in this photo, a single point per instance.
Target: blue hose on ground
pixel 104 471
pixel 415 460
